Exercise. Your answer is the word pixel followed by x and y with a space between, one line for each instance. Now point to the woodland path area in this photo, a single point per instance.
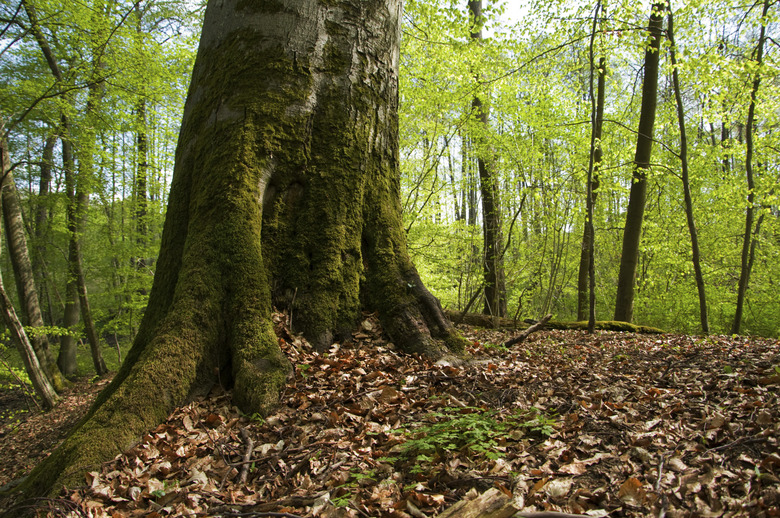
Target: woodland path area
pixel 613 424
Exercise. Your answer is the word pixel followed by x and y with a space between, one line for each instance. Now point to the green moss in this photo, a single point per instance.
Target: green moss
pixel 210 298
pixel 455 342
pixel 606 325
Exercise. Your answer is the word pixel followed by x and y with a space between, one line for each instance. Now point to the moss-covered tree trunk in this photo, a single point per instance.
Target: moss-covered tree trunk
pixel 286 183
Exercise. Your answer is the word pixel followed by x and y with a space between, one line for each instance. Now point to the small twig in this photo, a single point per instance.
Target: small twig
pixel 282 454
pixel 664 501
pixel 264 508
pixel 660 472
pixel 250 444
pixel 21 383
pixel 300 466
pixel 292 304
pixel 549 514
pixel 754 438
pixel 281 515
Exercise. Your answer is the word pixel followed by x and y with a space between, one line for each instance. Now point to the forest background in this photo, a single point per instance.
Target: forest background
pixel 91 101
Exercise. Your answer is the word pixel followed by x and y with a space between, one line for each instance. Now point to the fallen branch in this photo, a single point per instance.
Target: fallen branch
pixel 524 334
pixel 494 503
pixel 479 320
pixel 491 504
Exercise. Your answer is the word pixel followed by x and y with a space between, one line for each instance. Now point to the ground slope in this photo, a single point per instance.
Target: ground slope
pixel 612 424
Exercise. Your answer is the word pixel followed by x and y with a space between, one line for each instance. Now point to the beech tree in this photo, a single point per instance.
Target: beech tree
pixel 37 372
pixel 285 191
pixel 749 240
pixel 492 262
pixel 624 301
pixel 685 177
pixel 586 277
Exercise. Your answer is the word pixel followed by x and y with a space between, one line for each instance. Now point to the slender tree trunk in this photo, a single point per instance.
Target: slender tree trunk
pixel 493 264
pixel 43 388
pixel 83 185
pixel 81 282
pixel 66 359
pixel 746 262
pixel 142 167
pixel 78 204
pixel 38 375
pixel 632 233
pixel 43 210
pixel 25 279
pixel 286 177
pixel 695 253
pixel 586 276
pixel 141 178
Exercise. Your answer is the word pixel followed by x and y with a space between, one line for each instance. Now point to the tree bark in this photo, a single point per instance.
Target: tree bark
pixel 586 298
pixel 632 233
pixel 746 262
pixel 141 177
pixel 81 282
pixel 66 359
pixel 695 253
pixel 42 227
pixel 25 279
pixel 492 263
pixel 38 376
pixel 286 182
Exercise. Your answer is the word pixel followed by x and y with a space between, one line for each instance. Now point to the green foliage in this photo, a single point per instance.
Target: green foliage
pixel 469 431
pixel 12 371
pixel 344 492
pixel 51 331
pixel 535 75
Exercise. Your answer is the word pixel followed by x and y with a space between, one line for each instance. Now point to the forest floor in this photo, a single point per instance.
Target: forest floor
pixel 610 424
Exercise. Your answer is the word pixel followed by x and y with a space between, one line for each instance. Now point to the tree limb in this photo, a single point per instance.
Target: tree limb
pixel 524 334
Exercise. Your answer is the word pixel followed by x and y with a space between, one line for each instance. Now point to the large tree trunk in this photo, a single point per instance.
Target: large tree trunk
pixel 286 180
pixel 492 262
pixel 624 301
